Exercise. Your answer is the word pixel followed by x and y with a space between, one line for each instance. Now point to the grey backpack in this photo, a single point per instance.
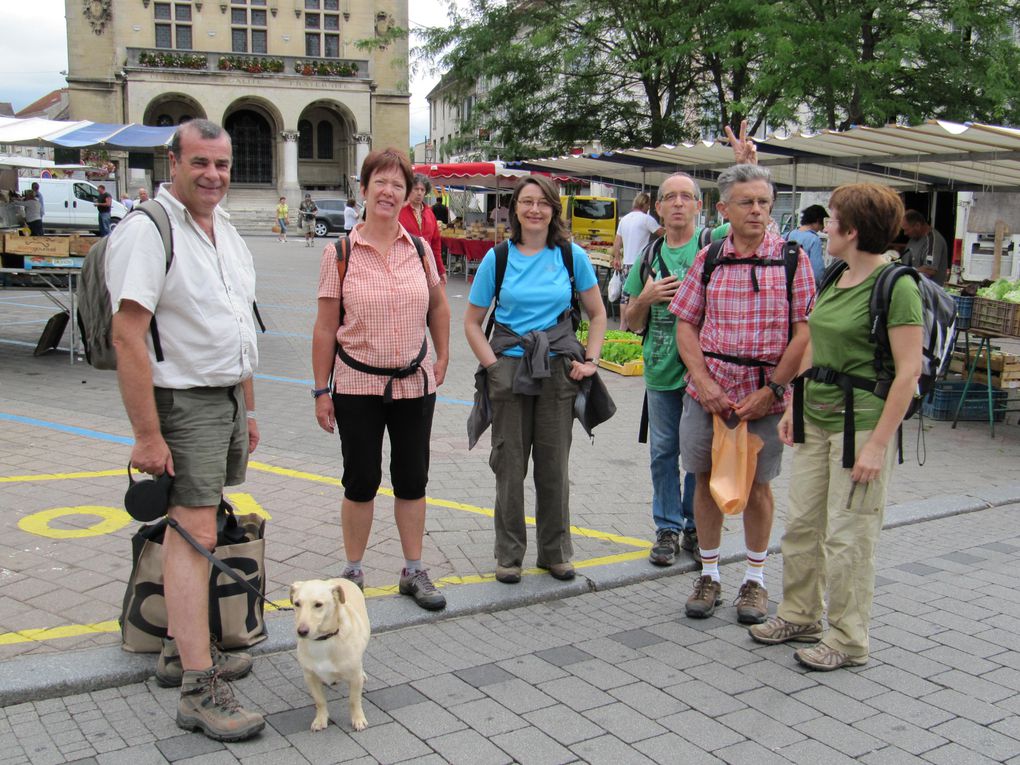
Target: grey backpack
pixel 95 308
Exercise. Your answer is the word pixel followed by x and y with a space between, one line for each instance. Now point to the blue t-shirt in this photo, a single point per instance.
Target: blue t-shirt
pixel 535 291
pixel 812 245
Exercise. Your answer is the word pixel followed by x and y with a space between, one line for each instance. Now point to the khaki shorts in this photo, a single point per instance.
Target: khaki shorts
pixel 207 432
pixel 697 429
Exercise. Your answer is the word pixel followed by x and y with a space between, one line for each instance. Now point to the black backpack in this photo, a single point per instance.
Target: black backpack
pixel 502 251
pixel 791 258
pixel 939 331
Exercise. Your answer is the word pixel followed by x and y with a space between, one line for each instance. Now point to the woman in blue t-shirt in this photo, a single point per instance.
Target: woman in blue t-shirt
pixel 533 366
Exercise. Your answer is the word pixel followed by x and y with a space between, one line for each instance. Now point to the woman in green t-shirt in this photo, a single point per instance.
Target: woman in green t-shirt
pixel 835 513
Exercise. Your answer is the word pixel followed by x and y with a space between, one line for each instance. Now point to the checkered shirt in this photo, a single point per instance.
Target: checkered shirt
pixel 737 321
pixel 385 302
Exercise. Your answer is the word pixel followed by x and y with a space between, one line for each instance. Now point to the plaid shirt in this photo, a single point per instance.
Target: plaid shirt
pixel 386 299
pixel 737 321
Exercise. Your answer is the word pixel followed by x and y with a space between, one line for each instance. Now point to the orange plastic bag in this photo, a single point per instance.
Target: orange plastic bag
pixel 734 460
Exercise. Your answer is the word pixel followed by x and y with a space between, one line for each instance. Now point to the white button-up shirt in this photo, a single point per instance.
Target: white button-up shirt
pixel 202 305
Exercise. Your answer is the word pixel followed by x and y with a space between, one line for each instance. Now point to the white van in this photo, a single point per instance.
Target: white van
pixel 71 204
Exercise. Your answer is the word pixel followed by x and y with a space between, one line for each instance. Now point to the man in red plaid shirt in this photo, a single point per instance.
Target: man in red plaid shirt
pixel 741 337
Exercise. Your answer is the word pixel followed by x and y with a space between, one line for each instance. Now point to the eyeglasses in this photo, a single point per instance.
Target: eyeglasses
pixel 541 203
pixel 684 196
pixel 747 204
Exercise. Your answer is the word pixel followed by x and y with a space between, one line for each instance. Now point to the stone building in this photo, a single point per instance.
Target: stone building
pixel 304 87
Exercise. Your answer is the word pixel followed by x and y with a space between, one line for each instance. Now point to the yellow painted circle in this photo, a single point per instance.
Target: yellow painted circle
pixel 111 519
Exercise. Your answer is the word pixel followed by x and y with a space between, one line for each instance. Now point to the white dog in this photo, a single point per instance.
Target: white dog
pixel 332 633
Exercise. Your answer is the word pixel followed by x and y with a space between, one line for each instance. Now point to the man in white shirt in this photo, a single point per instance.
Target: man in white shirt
pixel 193 412
pixel 635 230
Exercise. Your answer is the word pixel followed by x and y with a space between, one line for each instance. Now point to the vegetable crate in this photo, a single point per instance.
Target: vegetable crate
pixel 945 397
pixel 628 369
pixel 964 310
pixel 1005 368
pixel 996 316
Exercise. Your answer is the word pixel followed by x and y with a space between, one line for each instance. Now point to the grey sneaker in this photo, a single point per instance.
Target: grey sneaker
pixel 825 658
pixel 358 577
pixel 508 574
pixel 706 596
pixel 420 587
pixel 752 603
pixel 665 549
pixel 207 704
pixel 169 669
pixel 689 542
pixel 777 630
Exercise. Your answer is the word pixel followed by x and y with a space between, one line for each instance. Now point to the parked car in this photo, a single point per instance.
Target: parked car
pixel 71 204
pixel 330 218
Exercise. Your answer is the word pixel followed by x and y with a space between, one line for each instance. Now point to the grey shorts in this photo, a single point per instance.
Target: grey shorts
pixel 696 430
pixel 207 432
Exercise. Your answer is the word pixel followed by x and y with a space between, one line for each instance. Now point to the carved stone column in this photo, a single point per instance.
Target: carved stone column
pixel 290 187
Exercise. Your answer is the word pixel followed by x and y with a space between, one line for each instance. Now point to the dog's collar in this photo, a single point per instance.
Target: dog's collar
pixel 332 634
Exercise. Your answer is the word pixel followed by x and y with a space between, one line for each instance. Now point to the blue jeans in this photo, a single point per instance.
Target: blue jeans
pixel 104 223
pixel 671 509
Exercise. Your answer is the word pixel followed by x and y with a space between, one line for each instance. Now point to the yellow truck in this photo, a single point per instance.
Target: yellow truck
pixel 590 218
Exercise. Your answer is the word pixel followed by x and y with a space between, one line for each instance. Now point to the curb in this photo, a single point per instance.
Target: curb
pixel 34 678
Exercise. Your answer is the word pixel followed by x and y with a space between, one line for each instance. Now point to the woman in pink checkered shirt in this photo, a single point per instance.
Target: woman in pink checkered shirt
pixel 373 367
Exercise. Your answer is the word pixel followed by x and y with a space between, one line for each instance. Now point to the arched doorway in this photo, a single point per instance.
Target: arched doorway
pixel 326 147
pixel 172 109
pixel 252 137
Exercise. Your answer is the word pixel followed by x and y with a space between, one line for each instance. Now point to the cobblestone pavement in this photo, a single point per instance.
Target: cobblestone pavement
pixel 621 677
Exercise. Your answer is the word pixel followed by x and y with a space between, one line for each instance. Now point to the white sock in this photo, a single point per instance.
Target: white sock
pixel 710 563
pixel 756 567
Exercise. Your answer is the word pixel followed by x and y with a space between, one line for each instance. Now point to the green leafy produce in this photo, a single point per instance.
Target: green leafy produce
pixel 999 289
pixel 616 334
pixel 621 353
pixel 1012 297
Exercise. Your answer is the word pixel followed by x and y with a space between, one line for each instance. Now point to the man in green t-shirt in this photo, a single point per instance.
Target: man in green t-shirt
pixel 651 284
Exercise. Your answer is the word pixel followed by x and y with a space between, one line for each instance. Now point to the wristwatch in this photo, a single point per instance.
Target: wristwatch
pixel 777 390
pixel 316 392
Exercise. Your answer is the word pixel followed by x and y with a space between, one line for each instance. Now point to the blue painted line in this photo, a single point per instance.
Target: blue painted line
pixel 31 321
pixel 41 306
pixel 31 345
pixel 85 432
pixel 274 333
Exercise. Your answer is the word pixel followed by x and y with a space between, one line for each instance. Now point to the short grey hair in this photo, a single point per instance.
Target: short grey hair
pixel 743 174
pixel 691 178
pixel 423 180
pixel 207 131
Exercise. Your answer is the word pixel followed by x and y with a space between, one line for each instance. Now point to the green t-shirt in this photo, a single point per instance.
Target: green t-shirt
pixel 663 368
pixel 840 332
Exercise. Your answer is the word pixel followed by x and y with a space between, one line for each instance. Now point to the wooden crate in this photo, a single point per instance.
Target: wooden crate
pixel 1005 369
pixel 630 369
pixel 51 246
pixel 80 244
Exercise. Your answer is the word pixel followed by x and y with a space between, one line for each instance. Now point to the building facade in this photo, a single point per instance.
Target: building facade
pixel 304 87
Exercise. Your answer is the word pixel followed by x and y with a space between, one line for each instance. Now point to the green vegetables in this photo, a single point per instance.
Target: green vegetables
pixel 1002 289
pixel 612 335
pixel 621 353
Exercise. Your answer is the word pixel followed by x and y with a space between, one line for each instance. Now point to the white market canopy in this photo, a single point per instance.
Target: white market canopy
pixel 82 134
pixel 938 155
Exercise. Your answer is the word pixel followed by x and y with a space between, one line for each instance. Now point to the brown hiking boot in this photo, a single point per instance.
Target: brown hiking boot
pixel 752 603
pixel 777 630
pixel 826 658
pixel 207 704
pixel 169 670
pixel 706 596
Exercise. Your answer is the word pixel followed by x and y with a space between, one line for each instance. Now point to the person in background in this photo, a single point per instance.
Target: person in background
pixel 533 368
pixel 383 377
pixel 927 250
pixel 350 216
pixel 104 203
pixel 42 202
pixel 126 201
pixel 500 213
pixel 143 196
pixel 32 213
pixel 812 220
pixel 418 219
pixel 441 211
pixel 307 211
pixel 632 235
pixel 835 513
pixel 282 211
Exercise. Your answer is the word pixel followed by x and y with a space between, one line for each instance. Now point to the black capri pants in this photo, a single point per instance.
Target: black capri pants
pixel 361 422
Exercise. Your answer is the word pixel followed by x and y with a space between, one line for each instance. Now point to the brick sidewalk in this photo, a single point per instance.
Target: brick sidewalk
pixel 621 677
pixel 60 425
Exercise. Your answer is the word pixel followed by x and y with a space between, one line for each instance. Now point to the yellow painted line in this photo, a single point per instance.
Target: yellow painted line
pixel 62 476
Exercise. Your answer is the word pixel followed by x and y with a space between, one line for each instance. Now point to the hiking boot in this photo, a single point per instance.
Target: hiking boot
pixel 169 669
pixel 752 603
pixel 563 571
pixel 689 542
pixel 207 704
pixel 508 574
pixel 665 549
pixel 826 658
pixel 706 596
pixel 420 587
pixel 777 630
pixel 358 577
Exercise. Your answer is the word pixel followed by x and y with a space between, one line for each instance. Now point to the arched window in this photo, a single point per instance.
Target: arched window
pixel 184 118
pixel 165 120
pixel 305 138
pixel 325 140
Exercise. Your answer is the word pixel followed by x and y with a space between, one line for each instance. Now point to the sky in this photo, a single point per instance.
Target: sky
pixel 33 53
